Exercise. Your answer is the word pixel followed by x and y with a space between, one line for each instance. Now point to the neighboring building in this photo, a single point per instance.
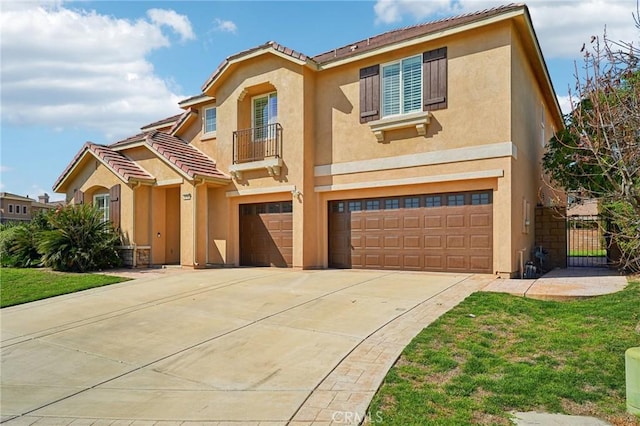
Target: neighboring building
pixel 16 208
pixel 416 149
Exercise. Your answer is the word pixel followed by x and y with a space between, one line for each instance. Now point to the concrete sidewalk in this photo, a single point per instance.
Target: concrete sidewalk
pixel 563 284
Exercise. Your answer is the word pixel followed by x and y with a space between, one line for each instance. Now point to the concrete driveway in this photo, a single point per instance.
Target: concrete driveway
pixel 255 346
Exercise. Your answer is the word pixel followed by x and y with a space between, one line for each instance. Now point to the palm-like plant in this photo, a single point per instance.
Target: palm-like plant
pixel 79 241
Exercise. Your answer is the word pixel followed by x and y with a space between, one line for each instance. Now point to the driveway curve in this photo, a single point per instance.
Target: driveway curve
pixel 251 346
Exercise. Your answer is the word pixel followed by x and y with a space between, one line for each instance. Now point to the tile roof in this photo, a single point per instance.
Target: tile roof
pixel 165 121
pixel 370 43
pixel 270 44
pixel 408 33
pixel 184 156
pixel 124 167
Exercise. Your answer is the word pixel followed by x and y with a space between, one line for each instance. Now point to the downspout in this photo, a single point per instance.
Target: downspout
pixel 195 223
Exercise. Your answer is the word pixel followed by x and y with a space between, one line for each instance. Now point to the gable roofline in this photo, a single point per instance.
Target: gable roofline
pixel 195 101
pixel 185 158
pixel 269 47
pixel 124 168
pixel 416 34
pixel 160 124
pixel 184 120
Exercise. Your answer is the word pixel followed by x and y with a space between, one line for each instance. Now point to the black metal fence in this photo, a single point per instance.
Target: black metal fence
pixel 586 241
pixel 257 143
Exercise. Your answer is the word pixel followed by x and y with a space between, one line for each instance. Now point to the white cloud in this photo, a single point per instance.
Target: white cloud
pixel 225 26
pixel 66 68
pixel 565 104
pixel 4 169
pixel 179 23
pixel 561 26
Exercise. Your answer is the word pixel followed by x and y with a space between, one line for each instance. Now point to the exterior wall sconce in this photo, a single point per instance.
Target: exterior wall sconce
pixel 186 196
pixel 296 193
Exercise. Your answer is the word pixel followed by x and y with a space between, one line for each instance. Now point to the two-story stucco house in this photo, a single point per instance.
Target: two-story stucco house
pixel 416 149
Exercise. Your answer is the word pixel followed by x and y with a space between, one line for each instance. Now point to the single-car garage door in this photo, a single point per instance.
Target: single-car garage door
pixel 433 232
pixel 266 234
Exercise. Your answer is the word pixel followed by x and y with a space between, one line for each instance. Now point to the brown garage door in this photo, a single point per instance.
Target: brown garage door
pixel 434 232
pixel 266 234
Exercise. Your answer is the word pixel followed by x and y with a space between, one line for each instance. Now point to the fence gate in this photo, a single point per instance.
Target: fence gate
pixel 586 241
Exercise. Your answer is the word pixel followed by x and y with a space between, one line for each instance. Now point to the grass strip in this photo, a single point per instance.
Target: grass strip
pixel 497 353
pixel 22 285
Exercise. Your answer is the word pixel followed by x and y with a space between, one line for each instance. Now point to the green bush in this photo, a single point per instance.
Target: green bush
pixel 79 241
pixel 7 236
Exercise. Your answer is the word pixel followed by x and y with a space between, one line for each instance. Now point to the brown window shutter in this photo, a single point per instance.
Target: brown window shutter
pixel 114 205
pixel 370 93
pixel 78 197
pixel 434 73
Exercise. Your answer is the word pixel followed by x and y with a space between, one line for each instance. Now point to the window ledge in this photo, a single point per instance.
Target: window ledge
pixel 419 120
pixel 208 136
pixel 273 166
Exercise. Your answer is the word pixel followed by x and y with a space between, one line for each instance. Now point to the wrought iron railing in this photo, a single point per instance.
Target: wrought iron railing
pixel 257 143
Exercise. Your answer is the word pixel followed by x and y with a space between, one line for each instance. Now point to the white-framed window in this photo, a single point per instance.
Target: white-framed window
pixel 10 208
pixel 210 121
pixel 24 209
pixel 402 86
pixel 101 201
pixel 265 112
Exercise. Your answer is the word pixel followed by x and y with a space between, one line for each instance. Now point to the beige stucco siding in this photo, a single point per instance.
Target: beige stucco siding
pixel 478 102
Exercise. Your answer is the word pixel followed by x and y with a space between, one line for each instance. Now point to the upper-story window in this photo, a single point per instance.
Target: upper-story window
pixel 101 201
pixel 210 124
pixel 402 86
pixel 265 112
pixel 408 85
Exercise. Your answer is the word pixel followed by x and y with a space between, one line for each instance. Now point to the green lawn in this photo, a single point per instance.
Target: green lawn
pixel 18 285
pixel 516 354
pixel 589 253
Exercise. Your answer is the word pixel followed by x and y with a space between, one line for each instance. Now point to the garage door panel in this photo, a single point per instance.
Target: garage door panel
pixel 411 222
pixel 392 241
pixel 411 261
pixel 457 262
pixel 356 222
pixel 391 222
pixel 455 241
pixel 373 224
pixel 480 263
pixel 392 261
pixel 480 220
pixel 479 241
pixel 433 241
pixel 455 221
pixel 433 262
pixel 433 222
pixel 411 241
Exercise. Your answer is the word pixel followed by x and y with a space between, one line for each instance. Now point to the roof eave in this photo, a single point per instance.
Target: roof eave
pixel 307 62
pixel 456 29
pixel 196 101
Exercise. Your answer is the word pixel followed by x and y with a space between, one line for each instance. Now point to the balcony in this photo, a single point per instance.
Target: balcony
pixel 257 148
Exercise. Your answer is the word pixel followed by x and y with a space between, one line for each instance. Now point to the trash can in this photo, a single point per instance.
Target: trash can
pixel 632 369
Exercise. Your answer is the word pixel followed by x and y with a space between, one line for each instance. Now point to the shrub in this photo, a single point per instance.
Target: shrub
pixel 80 241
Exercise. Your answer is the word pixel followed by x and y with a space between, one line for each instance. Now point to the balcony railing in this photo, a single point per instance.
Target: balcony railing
pixel 257 143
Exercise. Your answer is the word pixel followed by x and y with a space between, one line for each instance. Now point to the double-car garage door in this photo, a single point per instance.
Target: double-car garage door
pixel 433 232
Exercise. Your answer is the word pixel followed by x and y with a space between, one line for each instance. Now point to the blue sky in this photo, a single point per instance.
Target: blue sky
pixel 97 71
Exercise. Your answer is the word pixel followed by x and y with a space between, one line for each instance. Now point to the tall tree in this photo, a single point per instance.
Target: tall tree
pixel 597 155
